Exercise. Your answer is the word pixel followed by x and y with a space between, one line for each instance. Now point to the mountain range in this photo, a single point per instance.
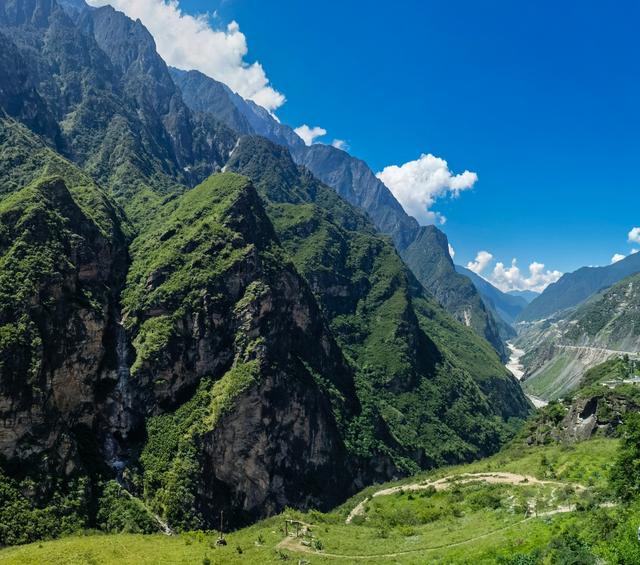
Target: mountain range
pixel 559 350
pixel 420 246
pixel 573 288
pixel 198 306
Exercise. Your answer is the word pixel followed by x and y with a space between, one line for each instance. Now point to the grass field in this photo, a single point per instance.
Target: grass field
pixel 466 522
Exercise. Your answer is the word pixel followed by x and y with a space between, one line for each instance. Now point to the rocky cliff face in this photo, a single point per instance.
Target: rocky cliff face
pixel 219 302
pixel 60 277
pixel 597 414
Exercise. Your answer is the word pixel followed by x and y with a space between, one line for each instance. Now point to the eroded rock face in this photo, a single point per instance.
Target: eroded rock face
pixel 597 414
pixel 584 418
pixel 280 446
pixel 60 276
pixel 276 438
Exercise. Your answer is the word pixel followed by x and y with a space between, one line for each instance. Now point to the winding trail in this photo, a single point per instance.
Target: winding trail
pixel 296 545
pixel 293 544
pixel 446 482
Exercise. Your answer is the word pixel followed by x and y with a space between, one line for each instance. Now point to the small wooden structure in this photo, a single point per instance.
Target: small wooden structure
pixel 221 540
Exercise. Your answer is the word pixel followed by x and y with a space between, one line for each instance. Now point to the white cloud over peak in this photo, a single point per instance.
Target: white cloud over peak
pixel 189 42
pixel 340 144
pixel 483 258
pixel 452 251
pixel 634 235
pixel 617 257
pixel 309 134
pixel 511 277
pixel 418 184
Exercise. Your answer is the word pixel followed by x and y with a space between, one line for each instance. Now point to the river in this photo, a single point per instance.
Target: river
pixel 517 370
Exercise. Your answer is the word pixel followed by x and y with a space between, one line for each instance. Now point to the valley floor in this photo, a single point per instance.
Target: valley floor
pixel 483 512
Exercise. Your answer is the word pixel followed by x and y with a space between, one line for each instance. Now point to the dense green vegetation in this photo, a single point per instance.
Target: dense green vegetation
pixel 428 258
pixel 439 388
pixel 466 522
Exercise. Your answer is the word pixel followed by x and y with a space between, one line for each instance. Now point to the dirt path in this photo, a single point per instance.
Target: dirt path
pixel 293 544
pixel 446 482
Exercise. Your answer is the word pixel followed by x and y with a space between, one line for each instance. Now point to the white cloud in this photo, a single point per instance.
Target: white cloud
pixel 483 258
pixel 308 134
pixel 452 251
pixel 511 278
pixel 189 42
pixel 418 184
pixel 617 257
pixel 634 235
pixel 340 144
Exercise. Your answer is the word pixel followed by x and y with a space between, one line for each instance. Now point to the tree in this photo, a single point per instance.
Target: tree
pixel 625 475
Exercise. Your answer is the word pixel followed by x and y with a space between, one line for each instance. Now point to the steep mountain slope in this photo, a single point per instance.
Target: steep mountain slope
pixel 204 94
pixel 574 288
pixel 105 100
pixel 507 306
pixel 504 307
pixel 428 257
pixel 216 375
pixel 405 347
pixel 560 350
pixel 352 179
pixel 219 317
pixel 205 353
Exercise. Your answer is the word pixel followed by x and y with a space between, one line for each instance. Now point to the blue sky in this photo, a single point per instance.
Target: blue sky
pixel 540 99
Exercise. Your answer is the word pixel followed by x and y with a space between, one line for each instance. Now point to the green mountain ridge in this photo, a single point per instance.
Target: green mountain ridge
pixel 352 179
pixel 206 342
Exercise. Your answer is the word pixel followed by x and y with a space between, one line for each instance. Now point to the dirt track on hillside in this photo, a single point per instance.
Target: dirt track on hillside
pixel 295 544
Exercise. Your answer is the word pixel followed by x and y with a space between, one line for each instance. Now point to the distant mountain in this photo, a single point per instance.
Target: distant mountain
pixel 428 257
pixel 352 179
pixel 528 295
pixel 559 350
pixel 504 307
pixel 574 288
pixel 204 94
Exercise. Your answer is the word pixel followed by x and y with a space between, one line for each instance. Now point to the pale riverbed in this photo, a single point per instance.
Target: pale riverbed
pixel 517 370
